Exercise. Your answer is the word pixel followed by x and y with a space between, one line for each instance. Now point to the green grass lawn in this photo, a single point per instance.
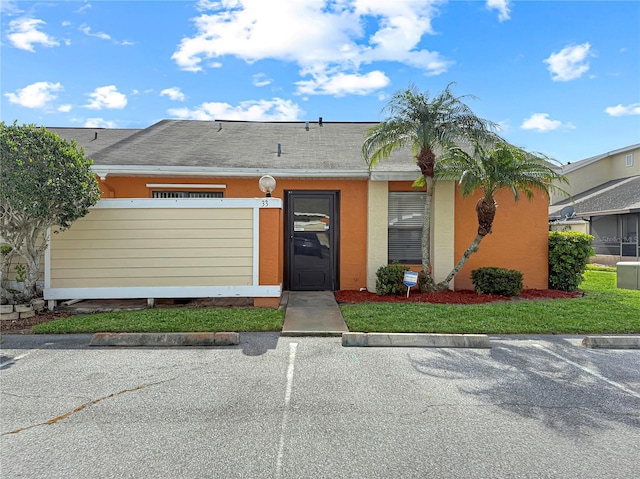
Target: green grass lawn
pixel 603 309
pixel 166 320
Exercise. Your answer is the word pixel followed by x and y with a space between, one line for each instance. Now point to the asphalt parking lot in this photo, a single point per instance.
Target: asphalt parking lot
pixel 307 407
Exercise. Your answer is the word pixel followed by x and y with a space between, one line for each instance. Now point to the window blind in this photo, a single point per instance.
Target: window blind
pixel 406 210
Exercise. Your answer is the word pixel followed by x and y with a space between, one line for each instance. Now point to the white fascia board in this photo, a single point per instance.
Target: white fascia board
pixel 589 214
pixel 394 175
pixel 264 291
pixel 104 171
pixel 163 203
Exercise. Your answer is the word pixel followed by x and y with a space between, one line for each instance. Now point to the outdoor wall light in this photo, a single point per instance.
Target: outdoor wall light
pixel 267 184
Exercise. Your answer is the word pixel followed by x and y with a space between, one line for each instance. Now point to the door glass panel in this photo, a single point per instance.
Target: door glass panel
pixel 311 248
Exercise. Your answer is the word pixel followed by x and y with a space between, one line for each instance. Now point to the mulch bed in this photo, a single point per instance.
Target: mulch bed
pixel 450 297
pixel 23 326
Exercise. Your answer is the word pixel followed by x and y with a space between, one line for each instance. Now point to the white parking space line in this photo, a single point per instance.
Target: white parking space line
pixel 287 399
pixel 17 358
pixel 593 373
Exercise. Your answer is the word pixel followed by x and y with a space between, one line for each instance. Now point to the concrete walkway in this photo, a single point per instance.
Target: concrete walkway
pixel 313 313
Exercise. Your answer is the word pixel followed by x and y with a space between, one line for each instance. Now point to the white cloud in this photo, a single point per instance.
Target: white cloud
pixel 36 95
pixel 84 7
pixel 276 109
pixel 173 93
pixel 341 84
pixel 260 79
pixel 103 36
pixel 87 31
pixel 24 33
pixel 324 38
pixel 503 7
pixel 99 123
pixel 569 63
pixel 620 110
pixel 541 122
pixel 64 108
pixel 107 97
pixel 10 7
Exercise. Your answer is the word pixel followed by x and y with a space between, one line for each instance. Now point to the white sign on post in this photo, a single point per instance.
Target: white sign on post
pixel 410 279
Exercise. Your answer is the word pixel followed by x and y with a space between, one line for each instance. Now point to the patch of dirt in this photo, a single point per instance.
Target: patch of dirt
pixel 450 297
pixel 23 326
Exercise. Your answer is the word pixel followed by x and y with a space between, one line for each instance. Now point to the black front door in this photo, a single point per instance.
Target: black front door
pixel 312 238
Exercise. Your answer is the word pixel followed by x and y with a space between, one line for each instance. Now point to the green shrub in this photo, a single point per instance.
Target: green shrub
pixel 389 279
pixel 505 282
pixel 569 253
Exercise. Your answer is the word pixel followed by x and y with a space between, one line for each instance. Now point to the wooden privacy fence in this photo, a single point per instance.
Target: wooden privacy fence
pixel 164 248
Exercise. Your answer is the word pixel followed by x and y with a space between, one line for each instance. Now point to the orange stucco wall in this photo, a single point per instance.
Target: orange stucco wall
pixel 519 239
pixel 403 186
pixel 270 265
pixel 353 215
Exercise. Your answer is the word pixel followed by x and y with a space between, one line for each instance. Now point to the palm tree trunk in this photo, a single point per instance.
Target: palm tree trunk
pixel 473 247
pixel 486 212
pixel 426 236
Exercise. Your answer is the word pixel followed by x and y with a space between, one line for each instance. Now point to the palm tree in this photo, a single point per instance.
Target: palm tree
pixel 428 125
pixel 491 169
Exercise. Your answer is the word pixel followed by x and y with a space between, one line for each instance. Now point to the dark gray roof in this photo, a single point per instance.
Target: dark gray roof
pixel 93 139
pixel 239 146
pixel 613 197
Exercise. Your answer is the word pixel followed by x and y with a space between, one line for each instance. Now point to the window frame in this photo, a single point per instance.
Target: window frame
pixel 411 211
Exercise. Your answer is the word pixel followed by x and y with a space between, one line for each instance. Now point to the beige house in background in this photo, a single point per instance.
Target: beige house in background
pixel 605 202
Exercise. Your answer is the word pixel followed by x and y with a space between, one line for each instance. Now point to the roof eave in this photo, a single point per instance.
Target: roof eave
pixel 104 171
pixel 624 211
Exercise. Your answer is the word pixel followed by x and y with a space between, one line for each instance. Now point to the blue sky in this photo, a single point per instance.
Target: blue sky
pixel 560 77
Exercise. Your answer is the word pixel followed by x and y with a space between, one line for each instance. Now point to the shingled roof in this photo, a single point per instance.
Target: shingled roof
pixel 239 148
pixel 93 139
pixel 614 197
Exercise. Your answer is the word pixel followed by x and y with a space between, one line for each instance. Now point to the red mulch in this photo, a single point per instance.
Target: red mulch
pixel 450 297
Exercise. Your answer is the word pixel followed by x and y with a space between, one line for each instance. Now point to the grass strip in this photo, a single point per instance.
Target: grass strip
pixel 168 320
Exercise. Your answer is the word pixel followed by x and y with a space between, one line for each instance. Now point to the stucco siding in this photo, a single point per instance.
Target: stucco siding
pixel 444 201
pixel 519 239
pixel 377 229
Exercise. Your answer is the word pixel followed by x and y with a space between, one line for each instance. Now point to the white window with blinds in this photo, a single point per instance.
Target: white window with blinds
pixel 406 210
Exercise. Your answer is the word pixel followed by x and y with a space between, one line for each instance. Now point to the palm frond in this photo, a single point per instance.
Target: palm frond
pixel 492 169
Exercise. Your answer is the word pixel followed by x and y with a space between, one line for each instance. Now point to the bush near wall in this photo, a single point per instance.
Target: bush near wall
pixel 569 253
pixel 390 279
pixel 505 282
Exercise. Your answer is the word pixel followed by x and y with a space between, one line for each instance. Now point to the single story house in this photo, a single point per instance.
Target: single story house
pixel 183 215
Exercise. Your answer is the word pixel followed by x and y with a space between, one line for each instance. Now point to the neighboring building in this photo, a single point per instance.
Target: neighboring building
pixel 605 192
pixel 183 215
